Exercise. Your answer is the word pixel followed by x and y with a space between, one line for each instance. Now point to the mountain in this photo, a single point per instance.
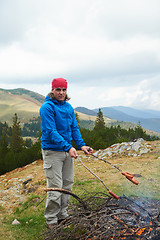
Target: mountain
pixel 146 113
pixel 86 114
pixel 144 117
pixel 149 119
pixel 27 103
pixel 86 111
pixel 21 101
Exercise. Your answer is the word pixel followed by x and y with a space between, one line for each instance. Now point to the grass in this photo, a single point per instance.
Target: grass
pixel 31 218
pixel 31 215
pixel 145 168
pixel 26 107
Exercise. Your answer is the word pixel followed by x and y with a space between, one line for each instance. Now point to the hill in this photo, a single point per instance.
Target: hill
pixel 145 113
pixel 87 114
pixel 23 195
pixel 149 119
pixel 15 191
pixel 27 103
pixel 21 101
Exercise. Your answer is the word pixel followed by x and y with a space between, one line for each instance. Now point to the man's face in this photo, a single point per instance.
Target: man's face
pixel 60 93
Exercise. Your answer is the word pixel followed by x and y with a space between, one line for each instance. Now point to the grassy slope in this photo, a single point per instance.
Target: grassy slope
pixel 23 104
pixel 31 215
pixel 27 104
pixel 83 116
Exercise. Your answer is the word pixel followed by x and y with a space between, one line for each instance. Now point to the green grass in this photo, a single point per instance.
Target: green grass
pixel 30 227
pixel 31 217
pixel 32 222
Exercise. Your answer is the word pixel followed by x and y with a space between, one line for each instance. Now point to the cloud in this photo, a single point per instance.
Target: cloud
pixel 100 45
pixel 141 96
pixel 123 19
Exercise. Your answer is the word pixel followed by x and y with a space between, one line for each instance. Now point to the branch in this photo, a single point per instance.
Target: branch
pixel 67 192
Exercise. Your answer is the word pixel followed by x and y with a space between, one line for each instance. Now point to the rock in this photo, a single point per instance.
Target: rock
pixel 145 150
pixel 136 146
pixel 15 222
pixel 133 149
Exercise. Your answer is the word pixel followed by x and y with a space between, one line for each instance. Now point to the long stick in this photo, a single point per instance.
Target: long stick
pixel 107 162
pixel 129 176
pixel 111 193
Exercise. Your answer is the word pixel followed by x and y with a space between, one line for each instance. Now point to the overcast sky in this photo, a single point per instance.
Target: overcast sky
pixel 108 50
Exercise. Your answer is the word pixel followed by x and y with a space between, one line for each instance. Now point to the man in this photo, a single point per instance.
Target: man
pixel 59 127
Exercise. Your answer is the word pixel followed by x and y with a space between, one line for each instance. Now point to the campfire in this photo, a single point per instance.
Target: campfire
pixel 99 217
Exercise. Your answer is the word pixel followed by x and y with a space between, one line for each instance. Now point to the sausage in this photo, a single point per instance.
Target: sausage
pixel 114 195
pixel 133 180
pixel 127 175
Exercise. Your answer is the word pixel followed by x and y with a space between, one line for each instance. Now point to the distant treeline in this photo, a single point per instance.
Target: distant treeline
pixel 31 128
pixel 14 150
pixel 17 152
pixel 101 137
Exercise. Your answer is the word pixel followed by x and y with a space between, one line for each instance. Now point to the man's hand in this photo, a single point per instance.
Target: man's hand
pixel 87 149
pixel 73 152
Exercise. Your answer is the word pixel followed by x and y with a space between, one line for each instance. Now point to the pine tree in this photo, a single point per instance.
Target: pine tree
pixel 77 118
pixel 16 139
pixel 3 144
pixel 100 123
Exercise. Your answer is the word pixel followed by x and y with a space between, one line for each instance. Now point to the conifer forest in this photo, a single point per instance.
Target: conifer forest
pixel 17 147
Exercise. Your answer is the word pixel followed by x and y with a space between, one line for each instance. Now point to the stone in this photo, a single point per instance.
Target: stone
pixel 135 149
pixel 15 222
pixel 145 150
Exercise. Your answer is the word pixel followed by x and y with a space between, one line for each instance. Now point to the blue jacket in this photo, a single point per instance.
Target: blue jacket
pixel 59 126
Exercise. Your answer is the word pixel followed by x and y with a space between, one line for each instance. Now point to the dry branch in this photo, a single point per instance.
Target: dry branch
pixel 67 192
pixel 106 219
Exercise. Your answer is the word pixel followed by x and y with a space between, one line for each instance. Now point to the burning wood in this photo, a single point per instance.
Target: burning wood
pixel 107 218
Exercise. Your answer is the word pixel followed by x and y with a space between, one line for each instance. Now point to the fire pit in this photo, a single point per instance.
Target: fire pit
pixel 107 218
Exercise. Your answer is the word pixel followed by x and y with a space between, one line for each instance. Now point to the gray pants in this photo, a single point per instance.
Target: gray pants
pixel 59 171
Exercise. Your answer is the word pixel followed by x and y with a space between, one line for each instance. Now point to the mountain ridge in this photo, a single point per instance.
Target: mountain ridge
pixel 24 102
pixel 144 113
pixel 27 103
pixel 150 123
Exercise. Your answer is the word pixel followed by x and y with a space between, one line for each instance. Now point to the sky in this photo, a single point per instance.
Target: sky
pixel 109 51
